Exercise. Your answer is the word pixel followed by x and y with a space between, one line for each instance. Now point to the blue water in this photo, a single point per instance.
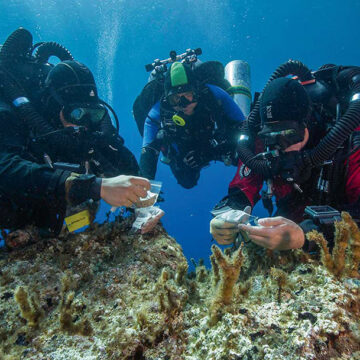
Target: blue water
pixel 117 38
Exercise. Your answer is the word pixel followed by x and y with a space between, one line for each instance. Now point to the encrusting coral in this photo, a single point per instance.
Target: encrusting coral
pixel 138 301
pixel 354 253
pixel 29 306
pixel 227 270
pixel 281 279
pixel 66 317
pixel 341 262
pixel 200 270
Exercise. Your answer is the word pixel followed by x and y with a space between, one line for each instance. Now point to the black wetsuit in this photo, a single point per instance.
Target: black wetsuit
pixel 31 192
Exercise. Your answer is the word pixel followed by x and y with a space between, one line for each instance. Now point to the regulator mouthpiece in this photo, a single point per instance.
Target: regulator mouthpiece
pixel 178 120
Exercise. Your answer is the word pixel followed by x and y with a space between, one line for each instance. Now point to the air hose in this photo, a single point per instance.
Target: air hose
pixel 48 49
pixel 346 124
pixel 251 126
pixel 17 46
pixel 106 125
pixel 17 97
pixel 32 119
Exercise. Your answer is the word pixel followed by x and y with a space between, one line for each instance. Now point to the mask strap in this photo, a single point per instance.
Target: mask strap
pixel 113 112
pixel 56 96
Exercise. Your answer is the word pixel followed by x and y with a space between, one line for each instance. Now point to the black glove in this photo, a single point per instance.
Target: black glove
pixel 223 152
pixel 194 160
pixel 295 166
pixel 79 188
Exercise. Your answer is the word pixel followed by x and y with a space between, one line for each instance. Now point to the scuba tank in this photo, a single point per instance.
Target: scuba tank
pixel 237 72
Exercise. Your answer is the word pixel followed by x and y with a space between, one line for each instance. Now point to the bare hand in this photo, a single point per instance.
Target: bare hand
pixel 124 190
pixel 223 232
pixel 276 233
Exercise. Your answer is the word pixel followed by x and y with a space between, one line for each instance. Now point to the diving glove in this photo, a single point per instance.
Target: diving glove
pixel 79 188
pixel 194 160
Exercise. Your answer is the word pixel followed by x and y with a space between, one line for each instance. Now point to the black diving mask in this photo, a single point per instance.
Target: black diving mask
pixel 181 101
pixel 281 135
pixel 85 114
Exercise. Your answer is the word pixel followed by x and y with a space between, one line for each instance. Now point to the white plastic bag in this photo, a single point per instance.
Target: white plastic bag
pixel 237 216
pixel 151 196
pixel 143 216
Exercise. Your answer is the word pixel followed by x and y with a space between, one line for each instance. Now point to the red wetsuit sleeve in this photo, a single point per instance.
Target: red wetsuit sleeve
pixel 352 187
pixel 248 182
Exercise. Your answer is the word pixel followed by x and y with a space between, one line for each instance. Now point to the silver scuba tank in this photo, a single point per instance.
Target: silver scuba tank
pixel 237 72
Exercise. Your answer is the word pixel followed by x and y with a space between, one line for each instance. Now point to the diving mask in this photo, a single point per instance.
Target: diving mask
pixel 85 114
pixel 281 135
pixel 182 100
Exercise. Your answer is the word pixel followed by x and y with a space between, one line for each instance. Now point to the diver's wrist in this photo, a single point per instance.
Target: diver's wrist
pixel 79 188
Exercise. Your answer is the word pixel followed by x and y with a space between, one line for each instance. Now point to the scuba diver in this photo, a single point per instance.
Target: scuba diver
pixel 194 122
pixel 58 146
pixel 303 138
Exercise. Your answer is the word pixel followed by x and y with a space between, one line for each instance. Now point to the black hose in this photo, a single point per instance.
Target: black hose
pixel 17 46
pixel 347 79
pixel 338 134
pixel 33 120
pixel 326 66
pixel 48 49
pixel 106 124
pixel 251 126
pixel 26 111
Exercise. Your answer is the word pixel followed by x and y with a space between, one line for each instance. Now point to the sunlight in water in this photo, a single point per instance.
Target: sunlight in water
pixel 109 35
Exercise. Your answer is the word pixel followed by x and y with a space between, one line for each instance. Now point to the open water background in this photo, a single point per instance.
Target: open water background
pixel 115 39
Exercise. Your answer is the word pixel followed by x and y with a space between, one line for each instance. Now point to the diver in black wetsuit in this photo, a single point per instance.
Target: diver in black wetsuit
pixel 57 141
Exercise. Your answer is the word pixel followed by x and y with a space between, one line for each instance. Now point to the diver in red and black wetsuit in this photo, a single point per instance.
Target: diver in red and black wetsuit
pixel 303 140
